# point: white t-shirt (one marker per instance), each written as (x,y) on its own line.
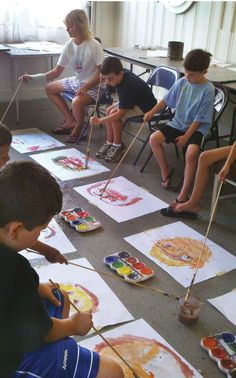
(84,58)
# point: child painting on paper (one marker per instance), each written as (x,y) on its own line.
(148,357)
(180,251)
(111,196)
(84,299)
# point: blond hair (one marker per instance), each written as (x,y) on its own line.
(79,20)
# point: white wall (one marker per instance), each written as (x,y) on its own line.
(209,25)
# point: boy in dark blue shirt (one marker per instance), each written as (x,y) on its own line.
(135,99)
(34,319)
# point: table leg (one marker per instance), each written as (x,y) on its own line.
(51,62)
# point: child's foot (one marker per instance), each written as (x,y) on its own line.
(177,202)
(187,206)
(102,152)
(114,153)
(64,129)
(166,181)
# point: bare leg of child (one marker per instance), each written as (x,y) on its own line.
(53,91)
(156,140)
(191,159)
(206,160)
(108,368)
(117,127)
(78,110)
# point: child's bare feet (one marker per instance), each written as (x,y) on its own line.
(65,128)
(187,206)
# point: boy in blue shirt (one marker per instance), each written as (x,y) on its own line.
(135,98)
(34,319)
(192,96)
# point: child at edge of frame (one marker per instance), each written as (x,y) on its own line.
(35,325)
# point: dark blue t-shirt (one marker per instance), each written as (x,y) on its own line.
(24,321)
(133,91)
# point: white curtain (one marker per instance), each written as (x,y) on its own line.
(32,20)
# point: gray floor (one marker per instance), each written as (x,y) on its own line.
(160,312)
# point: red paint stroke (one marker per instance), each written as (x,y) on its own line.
(111,196)
(50,232)
(141,344)
(72,163)
(36,148)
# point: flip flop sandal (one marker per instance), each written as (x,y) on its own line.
(61,131)
(170,212)
(72,138)
(166,181)
(178,201)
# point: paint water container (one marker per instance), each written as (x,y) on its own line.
(175,50)
(189,310)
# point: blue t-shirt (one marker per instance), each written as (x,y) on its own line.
(193,103)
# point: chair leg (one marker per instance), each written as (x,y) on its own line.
(146,162)
(232,132)
(216,186)
(141,150)
(82,132)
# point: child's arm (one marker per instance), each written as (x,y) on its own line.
(182,140)
(160,105)
(77,324)
(50,253)
(116,114)
(90,84)
(226,168)
(48,76)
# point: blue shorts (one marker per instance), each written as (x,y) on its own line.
(72,85)
(61,359)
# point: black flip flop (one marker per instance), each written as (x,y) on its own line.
(170,212)
(61,131)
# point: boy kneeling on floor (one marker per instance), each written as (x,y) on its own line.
(34,319)
(135,98)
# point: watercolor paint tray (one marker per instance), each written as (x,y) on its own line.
(80,219)
(221,348)
(128,267)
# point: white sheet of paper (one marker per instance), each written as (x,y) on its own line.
(68,164)
(185,245)
(142,347)
(157,53)
(232,69)
(32,140)
(55,237)
(122,200)
(226,304)
(88,291)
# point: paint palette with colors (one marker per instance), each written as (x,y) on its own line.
(128,267)
(80,219)
(222,349)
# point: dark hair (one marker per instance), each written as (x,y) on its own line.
(29,194)
(111,65)
(197,60)
(5,135)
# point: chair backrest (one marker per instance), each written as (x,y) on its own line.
(220,102)
(164,77)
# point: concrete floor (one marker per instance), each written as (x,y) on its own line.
(160,312)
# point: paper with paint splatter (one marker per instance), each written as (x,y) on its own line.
(144,349)
(68,164)
(226,305)
(55,237)
(88,291)
(122,199)
(33,140)
(176,249)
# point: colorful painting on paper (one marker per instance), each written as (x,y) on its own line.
(145,351)
(32,140)
(68,164)
(88,291)
(122,200)
(176,249)
(55,237)
(226,305)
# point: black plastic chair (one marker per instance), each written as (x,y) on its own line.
(161,77)
(105,100)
